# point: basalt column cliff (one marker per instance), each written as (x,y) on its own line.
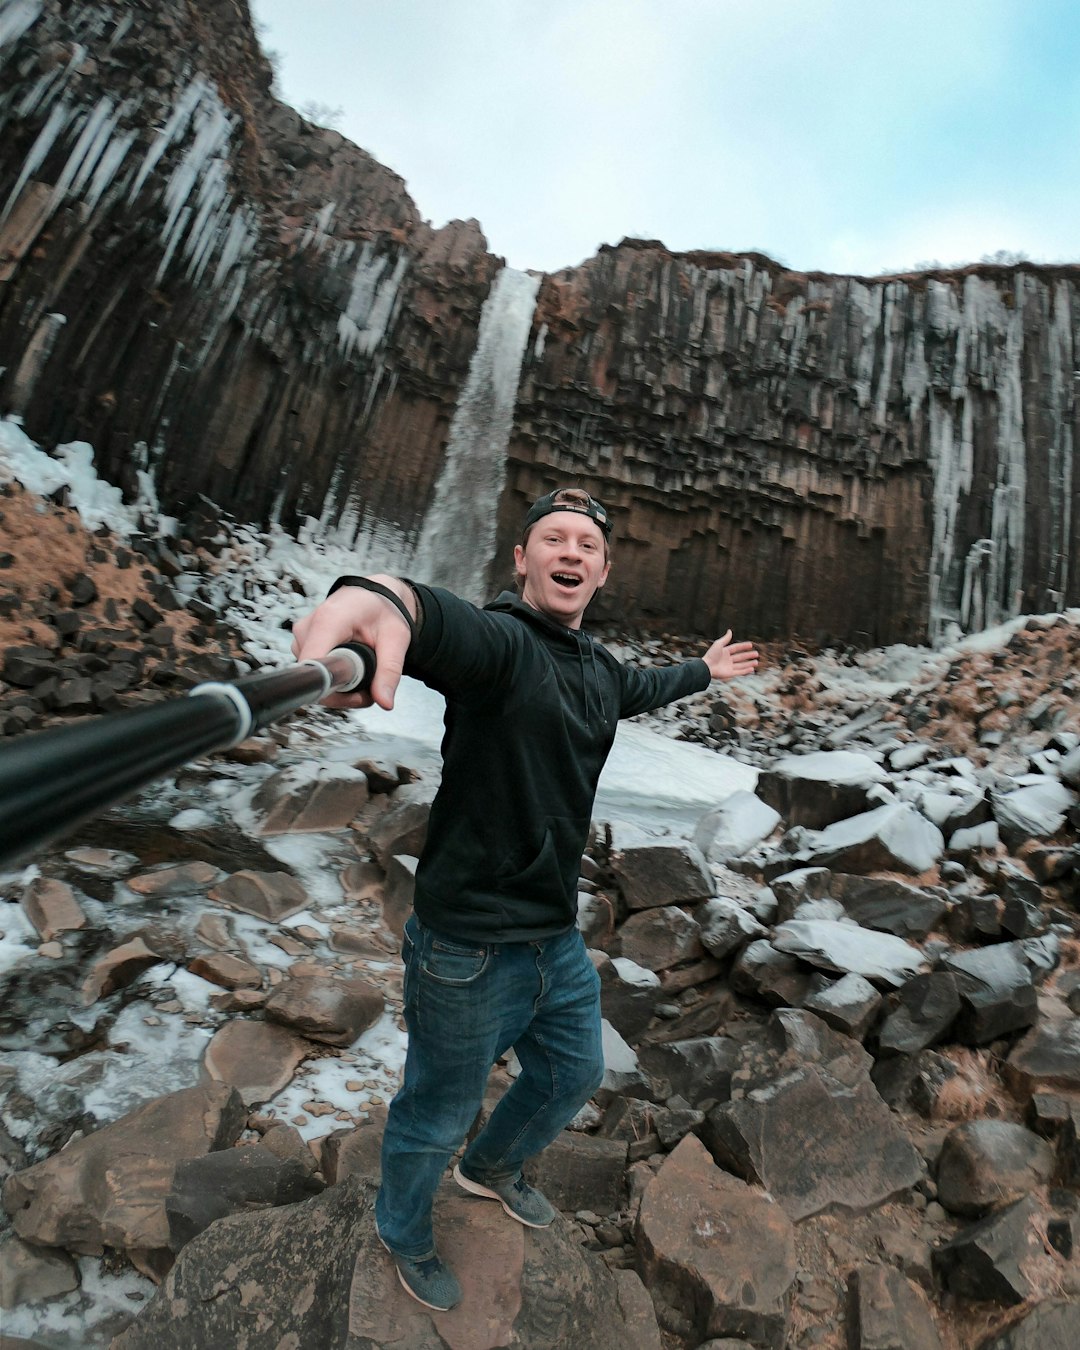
(815,455)
(202,284)
(213,291)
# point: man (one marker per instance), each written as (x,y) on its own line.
(493,958)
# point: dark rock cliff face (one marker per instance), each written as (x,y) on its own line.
(205,286)
(198,281)
(814,455)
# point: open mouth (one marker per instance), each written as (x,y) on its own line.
(566,580)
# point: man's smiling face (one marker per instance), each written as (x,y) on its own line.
(563,563)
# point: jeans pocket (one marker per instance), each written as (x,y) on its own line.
(455,963)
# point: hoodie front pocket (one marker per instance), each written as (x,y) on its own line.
(540,879)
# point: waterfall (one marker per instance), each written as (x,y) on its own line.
(457,538)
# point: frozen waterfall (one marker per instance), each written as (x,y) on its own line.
(457,538)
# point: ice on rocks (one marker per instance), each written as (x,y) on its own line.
(734,827)
(634,974)
(845,947)
(894,836)
(1036,811)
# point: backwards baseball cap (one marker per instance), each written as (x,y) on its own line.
(569,499)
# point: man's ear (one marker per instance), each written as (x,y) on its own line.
(519,560)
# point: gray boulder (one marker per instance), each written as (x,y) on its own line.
(987,1164)
(924,1009)
(813,1142)
(818,789)
(892,838)
(1053,1325)
(727,926)
(1000,1258)
(849,1005)
(662,872)
(997,992)
(846,948)
(887,905)
(232,1181)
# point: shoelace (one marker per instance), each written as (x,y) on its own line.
(430,1266)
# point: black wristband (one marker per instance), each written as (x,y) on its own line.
(366,584)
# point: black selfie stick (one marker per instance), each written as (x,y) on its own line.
(53,780)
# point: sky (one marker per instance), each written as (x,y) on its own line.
(840,135)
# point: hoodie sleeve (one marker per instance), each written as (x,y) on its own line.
(643,690)
(461,650)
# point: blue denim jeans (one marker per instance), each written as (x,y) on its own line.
(465,1005)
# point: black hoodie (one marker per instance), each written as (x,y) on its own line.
(531,711)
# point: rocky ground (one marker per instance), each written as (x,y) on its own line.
(842,1106)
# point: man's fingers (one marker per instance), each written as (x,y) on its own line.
(390,649)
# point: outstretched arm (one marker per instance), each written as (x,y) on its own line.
(728,660)
(355,615)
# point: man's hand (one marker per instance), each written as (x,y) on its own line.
(355,615)
(728,660)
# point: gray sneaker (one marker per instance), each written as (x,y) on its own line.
(427,1280)
(520,1200)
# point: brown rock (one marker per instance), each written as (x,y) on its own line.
(109,1188)
(310,798)
(716,1247)
(580,1171)
(662,873)
(228,971)
(116,969)
(315,1274)
(32,1274)
(335,1012)
(890,1313)
(356,1152)
(1048,1056)
(286,1142)
(659,938)
(403,827)
(269,895)
(214,930)
(176,879)
(255,1058)
(51,907)
(362,881)
(238,1000)
(814,1142)
(398,896)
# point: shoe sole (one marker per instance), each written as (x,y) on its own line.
(474,1188)
(435,1307)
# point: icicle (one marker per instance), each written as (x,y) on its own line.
(320,232)
(458,535)
(38,91)
(109,166)
(59,116)
(173,128)
(87,150)
(15,19)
